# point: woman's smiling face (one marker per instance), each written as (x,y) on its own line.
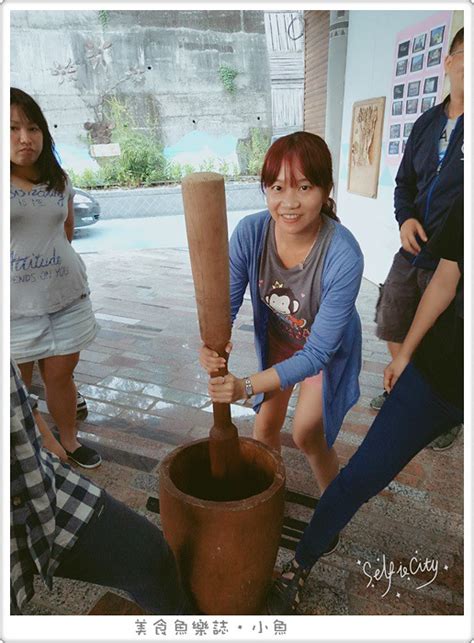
(294,202)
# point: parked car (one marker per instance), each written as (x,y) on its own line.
(86,209)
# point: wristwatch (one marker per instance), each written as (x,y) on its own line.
(248,387)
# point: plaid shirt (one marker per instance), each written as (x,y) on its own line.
(49,501)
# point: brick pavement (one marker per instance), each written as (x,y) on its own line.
(146,394)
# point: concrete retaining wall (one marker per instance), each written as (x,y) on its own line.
(163,64)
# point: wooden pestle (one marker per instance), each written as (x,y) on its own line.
(206,228)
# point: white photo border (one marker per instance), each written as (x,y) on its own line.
(300,628)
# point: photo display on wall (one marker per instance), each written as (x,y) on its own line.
(417,77)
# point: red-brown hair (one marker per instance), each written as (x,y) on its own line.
(311,153)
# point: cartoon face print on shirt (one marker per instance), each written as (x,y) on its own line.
(283,302)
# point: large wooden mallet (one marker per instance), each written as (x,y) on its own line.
(206,227)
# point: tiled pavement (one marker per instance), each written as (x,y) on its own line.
(146,394)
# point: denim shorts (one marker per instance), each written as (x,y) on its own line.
(398,299)
(64,332)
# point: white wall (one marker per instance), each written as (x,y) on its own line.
(370,56)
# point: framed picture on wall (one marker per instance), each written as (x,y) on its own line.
(430,85)
(417,62)
(401,67)
(419,43)
(393,147)
(436,36)
(427,103)
(398,91)
(395,131)
(413,88)
(397,107)
(366,146)
(418,73)
(411,106)
(403,49)
(434,57)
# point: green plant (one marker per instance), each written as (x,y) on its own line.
(207,166)
(173,172)
(227,76)
(73,175)
(254,149)
(103,18)
(141,160)
(224,168)
(89,178)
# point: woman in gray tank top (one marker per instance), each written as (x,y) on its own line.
(51,314)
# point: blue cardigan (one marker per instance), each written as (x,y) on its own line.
(335,341)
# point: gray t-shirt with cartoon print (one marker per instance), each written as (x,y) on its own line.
(293,294)
(46,273)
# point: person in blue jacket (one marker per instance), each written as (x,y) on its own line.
(430,177)
(304,270)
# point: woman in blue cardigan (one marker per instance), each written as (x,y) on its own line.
(304,270)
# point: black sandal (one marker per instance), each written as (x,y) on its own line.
(284,596)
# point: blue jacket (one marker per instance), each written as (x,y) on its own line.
(335,341)
(426,188)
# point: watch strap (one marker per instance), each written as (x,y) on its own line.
(248,387)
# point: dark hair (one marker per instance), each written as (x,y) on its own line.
(312,154)
(457,40)
(50,172)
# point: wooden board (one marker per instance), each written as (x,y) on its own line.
(365,146)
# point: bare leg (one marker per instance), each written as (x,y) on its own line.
(270,418)
(26,371)
(49,441)
(308,432)
(61,395)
